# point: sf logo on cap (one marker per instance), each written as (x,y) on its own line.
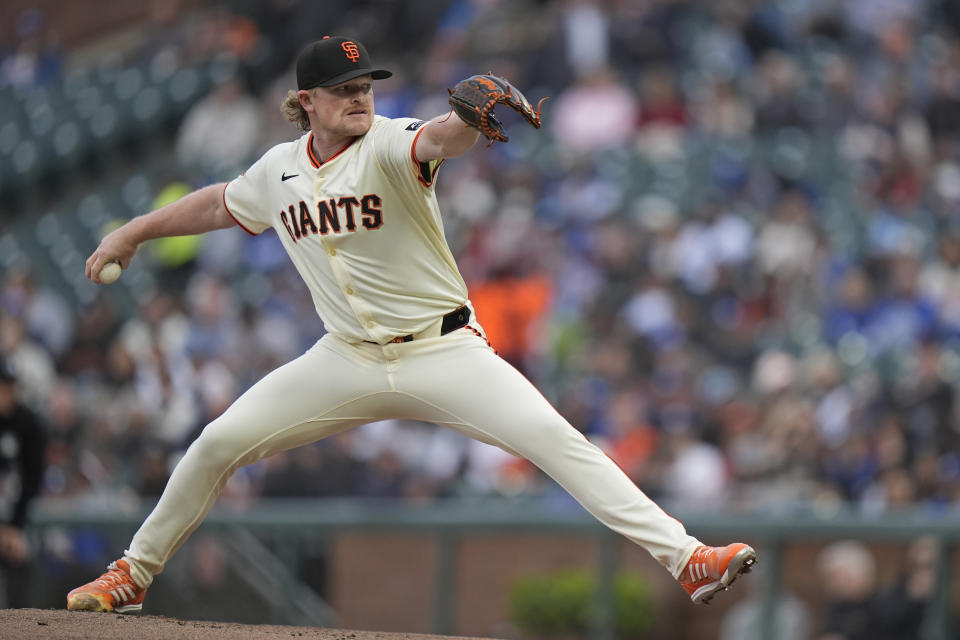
(351,49)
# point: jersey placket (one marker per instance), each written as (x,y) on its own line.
(361,310)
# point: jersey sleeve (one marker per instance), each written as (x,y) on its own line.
(396,140)
(243,198)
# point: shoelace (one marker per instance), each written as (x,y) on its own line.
(698,565)
(115,577)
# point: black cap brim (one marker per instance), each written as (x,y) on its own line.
(376,74)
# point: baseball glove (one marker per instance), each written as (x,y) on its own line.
(474,99)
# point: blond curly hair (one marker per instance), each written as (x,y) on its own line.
(294,112)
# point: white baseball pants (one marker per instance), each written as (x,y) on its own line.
(455,380)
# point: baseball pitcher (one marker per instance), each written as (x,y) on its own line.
(353,203)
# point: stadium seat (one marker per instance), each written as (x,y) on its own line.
(184,86)
(25,162)
(137,192)
(105,124)
(86,101)
(69,141)
(92,213)
(10,137)
(788,153)
(147,109)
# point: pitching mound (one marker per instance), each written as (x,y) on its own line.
(53,624)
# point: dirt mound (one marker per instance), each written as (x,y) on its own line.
(53,624)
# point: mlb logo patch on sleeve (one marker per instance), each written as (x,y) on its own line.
(413,126)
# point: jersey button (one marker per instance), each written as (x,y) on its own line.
(349,291)
(369,324)
(332,251)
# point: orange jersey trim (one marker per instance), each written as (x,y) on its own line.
(423,167)
(482,337)
(313,158)
(230,213)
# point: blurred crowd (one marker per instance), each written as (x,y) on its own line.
(863,597)
(731,257)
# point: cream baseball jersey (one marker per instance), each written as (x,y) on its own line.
(363,228)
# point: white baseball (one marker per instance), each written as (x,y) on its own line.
(110,272)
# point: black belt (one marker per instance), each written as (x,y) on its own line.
(456,319)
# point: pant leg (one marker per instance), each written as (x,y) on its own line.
(466,386)
(323,392)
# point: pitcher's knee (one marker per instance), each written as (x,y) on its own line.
(214,451)
(547,434)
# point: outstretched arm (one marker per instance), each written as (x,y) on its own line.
(201,211)
(473,101)
(445,136)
